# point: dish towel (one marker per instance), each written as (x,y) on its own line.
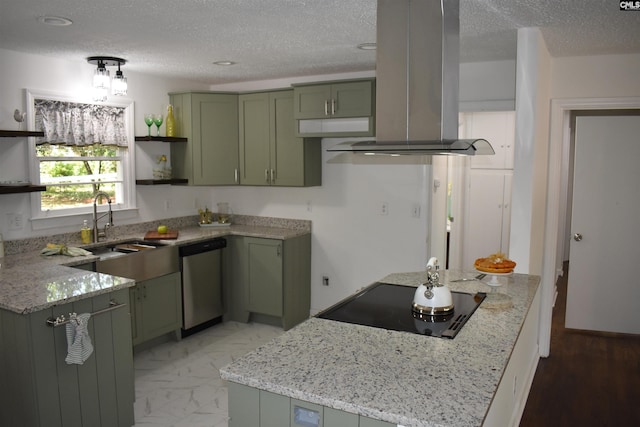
(79,346)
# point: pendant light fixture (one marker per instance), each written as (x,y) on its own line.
(101,78)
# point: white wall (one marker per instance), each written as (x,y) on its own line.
(531,146)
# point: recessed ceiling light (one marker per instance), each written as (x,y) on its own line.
(367,46)
(224,63)
(56,21)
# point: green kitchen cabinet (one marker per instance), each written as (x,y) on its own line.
(270,153)
(337,418)
(39,389)
(156,308)
(370,422)
(250,406)
(334,100)
(244,405)
(269,280)
(209,121)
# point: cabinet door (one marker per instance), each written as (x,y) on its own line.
(312,102)
(287,151)
(370,422)
(497,127)
(161,306)
(264,276)
(336,418)
(274,410)
(215,138)
(254,139)
(244,406)
(485,219)
(352,99)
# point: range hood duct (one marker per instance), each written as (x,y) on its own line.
(417,74)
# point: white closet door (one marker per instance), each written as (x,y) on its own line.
(497,127)
(484,230)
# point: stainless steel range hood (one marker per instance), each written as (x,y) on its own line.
(417,73)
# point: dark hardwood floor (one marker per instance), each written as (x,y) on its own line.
(589,378)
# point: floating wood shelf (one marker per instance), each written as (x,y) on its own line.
(19,133)
(161,138)
(12,189)
(173,181)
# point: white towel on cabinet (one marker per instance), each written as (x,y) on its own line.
(79,346)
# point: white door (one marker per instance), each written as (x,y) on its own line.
(487,218)
(603,288)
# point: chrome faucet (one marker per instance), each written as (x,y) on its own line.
(96,233)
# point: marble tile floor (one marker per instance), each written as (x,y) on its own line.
(177,384)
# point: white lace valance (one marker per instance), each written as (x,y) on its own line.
(71,123)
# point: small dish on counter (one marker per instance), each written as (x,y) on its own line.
(215,224)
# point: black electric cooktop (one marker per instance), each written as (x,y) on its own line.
(387,306)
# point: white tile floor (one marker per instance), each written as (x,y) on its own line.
(178,383)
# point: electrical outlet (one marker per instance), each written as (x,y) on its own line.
(384,208)
(309,207)
(325,280)
(15,221)
(415,211)
(166,205)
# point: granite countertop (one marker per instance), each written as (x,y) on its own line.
(31,282)
(398,377)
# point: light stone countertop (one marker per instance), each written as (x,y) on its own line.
(31,282)
(398,377)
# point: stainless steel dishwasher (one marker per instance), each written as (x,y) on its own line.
(201,269)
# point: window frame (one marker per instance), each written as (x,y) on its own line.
(128,201)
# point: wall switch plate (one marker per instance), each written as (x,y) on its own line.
(415,211)
(15,221)
(325,280)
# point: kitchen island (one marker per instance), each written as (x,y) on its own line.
(481,377)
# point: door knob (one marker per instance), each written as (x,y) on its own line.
(577,237)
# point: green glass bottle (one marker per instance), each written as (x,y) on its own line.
(170,124)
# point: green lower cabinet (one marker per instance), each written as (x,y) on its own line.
(244,406)
(370,422)
(336,418)
(249,406)
(268,280)
(274,410)
(39,389)
(156,308)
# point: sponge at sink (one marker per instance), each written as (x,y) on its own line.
(53,249)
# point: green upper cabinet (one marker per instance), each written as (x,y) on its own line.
(210,122)
(336,100)
(270,153)
(340,108)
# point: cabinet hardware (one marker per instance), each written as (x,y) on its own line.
(333,107)
(62,320)
(326,107)
(235,175)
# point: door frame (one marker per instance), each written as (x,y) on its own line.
(557,197)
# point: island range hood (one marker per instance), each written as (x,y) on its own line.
(417,74)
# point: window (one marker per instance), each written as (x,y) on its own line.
(74,174)
(85,150)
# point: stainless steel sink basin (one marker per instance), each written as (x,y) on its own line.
(136,259)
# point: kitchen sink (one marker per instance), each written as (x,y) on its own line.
(136,259)
(114,250)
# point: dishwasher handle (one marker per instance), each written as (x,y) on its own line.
(200,247)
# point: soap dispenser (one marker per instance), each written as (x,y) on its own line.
(85,233)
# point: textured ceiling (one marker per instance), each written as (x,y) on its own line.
(288,38)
